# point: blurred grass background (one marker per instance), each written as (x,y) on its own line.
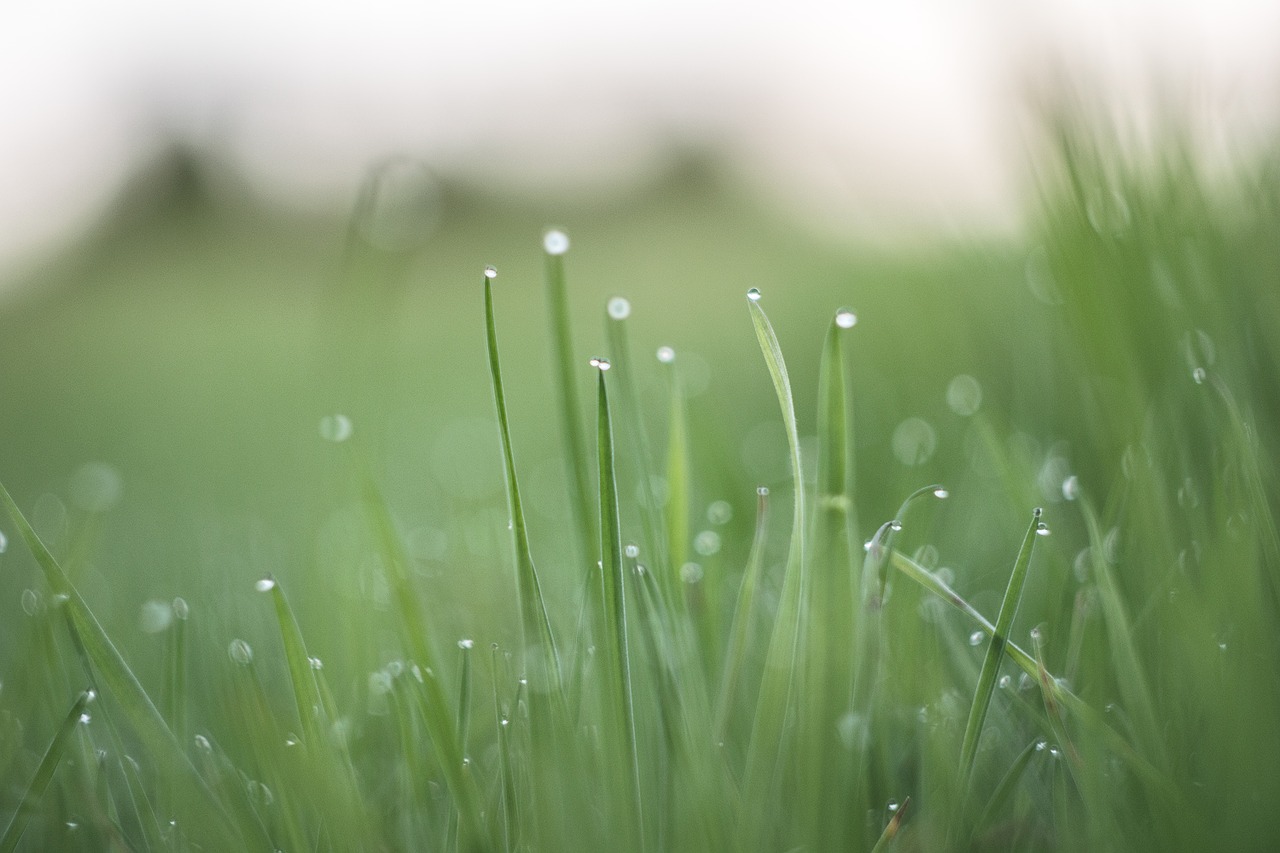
(163,384)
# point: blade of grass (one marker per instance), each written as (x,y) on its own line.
(743,617)
(506,779)
(783,659)
(676,515)
(1004,790)
(995,650)
(541,662)
(614,624)
(103,661)
(44,774)
(891,829)
(555,245)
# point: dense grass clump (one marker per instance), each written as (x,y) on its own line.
(1065,636)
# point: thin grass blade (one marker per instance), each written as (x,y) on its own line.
(891,829)
(44,774)
(743,618)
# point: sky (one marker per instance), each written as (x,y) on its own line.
(867,117)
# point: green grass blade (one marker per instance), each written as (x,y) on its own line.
(783,659)
(302,677)
(995,650)
(541,661)
(1004,790)
(614,618)
(414,631)
(676,509)
(506,778)
(891,829)
(555,244)
(108,668)
(44,774)
(743,617)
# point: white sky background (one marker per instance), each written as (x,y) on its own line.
(869,114)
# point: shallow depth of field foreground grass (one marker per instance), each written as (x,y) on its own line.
(970,550)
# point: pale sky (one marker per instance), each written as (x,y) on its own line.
(868,114)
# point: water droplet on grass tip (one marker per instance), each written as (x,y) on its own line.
(666,355)
(90,696)
(265,584)
(466,643)
(335,428)
(202,744)
(941,493)
(895,525)
(1042,529)
(632,550)
(1037,512)
(846,319)
(491,272)
(4,542)
(180,609)
(555,242)
(754,294)
(1006,681)
(976,638)
(601,363)
(892,805)
(1071,487)
(240,652)
(619,308)
(84,719)
(762,491)
(315,663)
(1198,375)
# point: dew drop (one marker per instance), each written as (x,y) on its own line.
(335,428)
(202,744)
(30,602)
(1006,681)
(1071,487)
(619,308)
(1042,529)
(601,363)
(555,242)
(754,294)
(466,643)
(180,609)
(719,512)
(240,652)
(1037,512)
(707,543)
(4,542)
(762,491)
(84,719)
(1198,375)
(941,493)
(666,355)
(1041,745)
(895,525)
(491,272)
(892,805)
(315,663)
(90,696)
(846,319)
(1036,634)
(265,584)
(632,550)
(976,638)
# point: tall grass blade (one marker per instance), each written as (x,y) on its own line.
(566,382)
(44,774)
(541,661)
(676,515)
(995,650)
(744,612)
(783,659)
(1000,797)
(618,674)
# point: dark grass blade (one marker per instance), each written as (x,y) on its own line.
(619,687)
(44,774)
(995,650)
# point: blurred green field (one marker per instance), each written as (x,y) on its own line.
(164,385)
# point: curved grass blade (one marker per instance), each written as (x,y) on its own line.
(44,774)
(783,661)
(891,829)
(541,662)
(430,691)
(105,665)
(566,381)
(995,650)
(743,613)
(1004,790)
(619,687)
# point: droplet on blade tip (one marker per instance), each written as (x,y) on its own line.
(666,355)
(265,584)
(846,319)
(601,363)
(555,242)
(491,272)
(941,493)
(754,294)
(619,308)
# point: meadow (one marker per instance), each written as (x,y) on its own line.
(652,522)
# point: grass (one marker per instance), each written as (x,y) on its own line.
(736,662)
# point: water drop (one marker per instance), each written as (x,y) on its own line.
(846,319)
(1006,681)
(84,719)
(691,573)
(892,805)
(941,493)
(506,721)
(265,584)
(59,598)
(555,242)
(895,525)
(632,550)
(976,638)
(666,355)
(762,491)
(240,652)
(335,428)
(202,744)
(1037,512)
(1042,529)
(719,512)
(619,308)
(180,608)
(30,602)
(754,294)
(315,663)
(466,643)
(4,542)
(601,363)
(491,272)
(1036,634)
(1071,487)
(1041,745)
(707,543)
(964,395)
(90,696)
(291,740)
(1198,375)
